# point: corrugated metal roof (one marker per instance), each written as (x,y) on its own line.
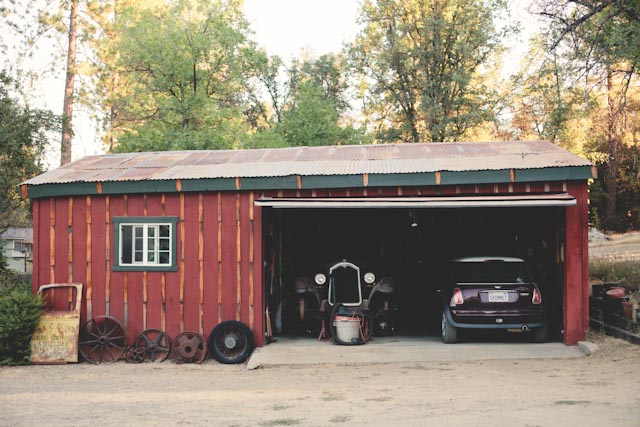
(314,161)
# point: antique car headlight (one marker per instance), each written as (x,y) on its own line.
(369,278)
(320,279)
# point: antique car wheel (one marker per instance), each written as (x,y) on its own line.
(189,347)
(155,344)
(102,340)
(449,333)
(231,342)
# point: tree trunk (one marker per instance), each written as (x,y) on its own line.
(67,111)
(612,148)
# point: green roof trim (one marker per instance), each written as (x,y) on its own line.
(402,179)
(220,184)
(71,189)
(475,177)
(570,173)
(129,187)
(567,173)
(278,182)
(332,181)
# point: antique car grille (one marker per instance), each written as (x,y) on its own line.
(345,285)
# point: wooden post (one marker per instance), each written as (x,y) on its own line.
(201,259)
(88,279)
(70,251)
(238,259)
(107,257)
(163,278)
(219,257)
(182,239)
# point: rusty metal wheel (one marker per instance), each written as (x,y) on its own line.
(102,340)
(189,347)
(155,344)
(135,354)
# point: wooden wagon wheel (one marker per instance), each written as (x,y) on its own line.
(102,340)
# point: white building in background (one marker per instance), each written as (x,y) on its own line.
(17,248)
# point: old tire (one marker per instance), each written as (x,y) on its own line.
(448,333)
(231,342)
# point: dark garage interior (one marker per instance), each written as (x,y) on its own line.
(413,245)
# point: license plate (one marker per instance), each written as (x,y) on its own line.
(498,296)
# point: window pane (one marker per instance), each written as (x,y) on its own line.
(164,257)
(151,244)
(138,256)
(164,230)
(138,239)
(151,257)
(125,238)
(151,231)
(164,244)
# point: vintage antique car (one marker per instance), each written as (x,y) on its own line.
(344,283)
(491,293)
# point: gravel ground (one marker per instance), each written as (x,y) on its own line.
(599,390)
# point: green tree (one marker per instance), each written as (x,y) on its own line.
(23,139)
(307,103)
(603,39)
(313,119)
(183,71)
(421,64)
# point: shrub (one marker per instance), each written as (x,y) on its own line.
(625,272)
(19,314)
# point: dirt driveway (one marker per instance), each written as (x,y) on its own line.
(599,390)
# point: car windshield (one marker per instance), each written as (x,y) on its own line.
(490,272)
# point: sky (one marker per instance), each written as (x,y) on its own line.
(283,27)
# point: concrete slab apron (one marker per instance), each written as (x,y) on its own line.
(292,351)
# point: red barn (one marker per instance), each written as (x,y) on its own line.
(181,241)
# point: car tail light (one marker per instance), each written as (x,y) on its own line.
(456,299)
(537,296)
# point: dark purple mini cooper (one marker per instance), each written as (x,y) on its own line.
(492,293)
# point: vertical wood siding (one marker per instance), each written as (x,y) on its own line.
(219,238)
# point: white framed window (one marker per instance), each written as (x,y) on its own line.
(144,243)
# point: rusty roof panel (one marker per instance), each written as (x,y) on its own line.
(307,161)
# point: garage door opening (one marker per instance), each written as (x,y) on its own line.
(411,246)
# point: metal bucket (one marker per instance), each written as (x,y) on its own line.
(347,328)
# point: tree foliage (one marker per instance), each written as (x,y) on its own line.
(183,70)
(421,63)
(601,38)
(23,139)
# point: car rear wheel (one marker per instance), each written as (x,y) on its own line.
(449,333)
(541,334)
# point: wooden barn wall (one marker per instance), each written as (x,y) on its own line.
(219,245)
(219,254)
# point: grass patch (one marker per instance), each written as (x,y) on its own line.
(625,272)
(280,407)
(331,397)
(572,402)
(281,422)
(339,419)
